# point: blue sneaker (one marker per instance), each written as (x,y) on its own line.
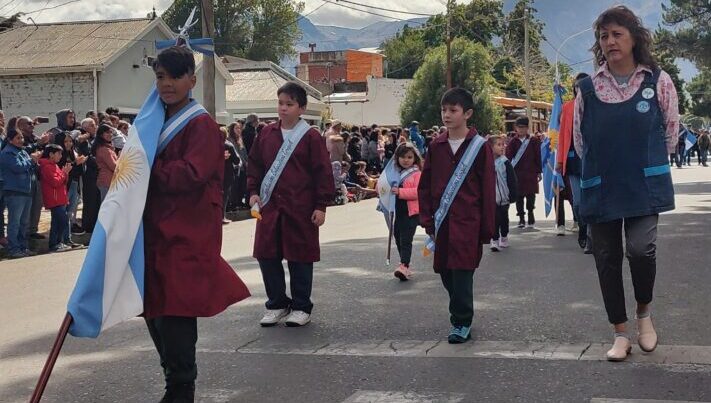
(459,334)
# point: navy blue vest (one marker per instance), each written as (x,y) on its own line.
(625,162)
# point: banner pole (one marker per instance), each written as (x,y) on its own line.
(51,359)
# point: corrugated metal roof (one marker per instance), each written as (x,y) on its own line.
(67,45)
(257,85)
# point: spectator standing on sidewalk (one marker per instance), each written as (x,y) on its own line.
(26,126)
(18,167)
(103,151)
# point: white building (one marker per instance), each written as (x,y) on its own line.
(85,66)
(380,105)
(254,90)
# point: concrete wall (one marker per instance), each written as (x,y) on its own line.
(124,86)
(44,95)
(385,95)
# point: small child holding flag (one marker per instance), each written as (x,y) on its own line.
(407,209)
(457,206)
(506,188)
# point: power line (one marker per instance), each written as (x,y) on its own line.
(386,9)
(311,12)
(52,7)
(372,13)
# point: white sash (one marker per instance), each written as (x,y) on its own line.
(287,148)
(177,122)
(455,182)
(519,153)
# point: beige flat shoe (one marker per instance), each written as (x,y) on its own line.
(646,335)
(620,349)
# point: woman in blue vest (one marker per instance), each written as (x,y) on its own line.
(625,125)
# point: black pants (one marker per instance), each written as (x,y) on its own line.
(530,206)
(404,231)
(175,338)
(640,242)
(502,222)
(91,200)
(301,279)
(561,211)
(460,286)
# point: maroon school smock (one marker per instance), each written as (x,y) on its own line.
(470,222)
(528,167)
(306,184)
(185,274)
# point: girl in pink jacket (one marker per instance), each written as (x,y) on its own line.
(407,208)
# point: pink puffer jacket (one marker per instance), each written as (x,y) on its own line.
(408,192)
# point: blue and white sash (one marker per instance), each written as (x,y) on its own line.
(110,287)
(455,182)
(177,122)
(287,148)
(502,187)
(520,152)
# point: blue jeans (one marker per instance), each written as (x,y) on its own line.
(59,227)
(18,221)
(71,210)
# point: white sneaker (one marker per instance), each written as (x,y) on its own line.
(504,242)
(494,246)
(273,316)
(298,318)
(560,230)
(575,227)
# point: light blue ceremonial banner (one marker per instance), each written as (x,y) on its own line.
(109,289)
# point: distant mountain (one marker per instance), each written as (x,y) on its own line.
(327,37)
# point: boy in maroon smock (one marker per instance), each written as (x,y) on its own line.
(185,276)
(528,170)
(469,223)
(294,209)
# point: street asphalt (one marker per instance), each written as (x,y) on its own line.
(538,336)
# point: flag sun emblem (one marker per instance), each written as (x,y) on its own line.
(128,168)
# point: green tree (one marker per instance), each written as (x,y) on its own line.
(692,38)
(700,90)
(254,29)
(471,66)
(405,52)
(514,36)
(479,21)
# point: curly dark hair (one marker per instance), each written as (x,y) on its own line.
(623,16)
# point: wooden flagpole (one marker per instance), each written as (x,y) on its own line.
(51,360)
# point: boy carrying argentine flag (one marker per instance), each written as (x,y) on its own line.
(185,275)
(457,195)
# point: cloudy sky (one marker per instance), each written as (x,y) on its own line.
(576,14)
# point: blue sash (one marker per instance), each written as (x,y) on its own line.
(177,122)
(520,152)
(287,148)
(455,182)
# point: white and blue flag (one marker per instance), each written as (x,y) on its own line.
(689,141)
(110,286)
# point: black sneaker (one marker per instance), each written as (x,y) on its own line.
(522,223)
(179,393)
(37,236)
(582,242)
(77,230)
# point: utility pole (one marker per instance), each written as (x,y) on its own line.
(449,43)
(208,62)
(527,66)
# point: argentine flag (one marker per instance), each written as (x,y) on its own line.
(689,142)
(552,179)
(109,289)
(389,178)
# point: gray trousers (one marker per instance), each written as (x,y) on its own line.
(641,251)
(36,209)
